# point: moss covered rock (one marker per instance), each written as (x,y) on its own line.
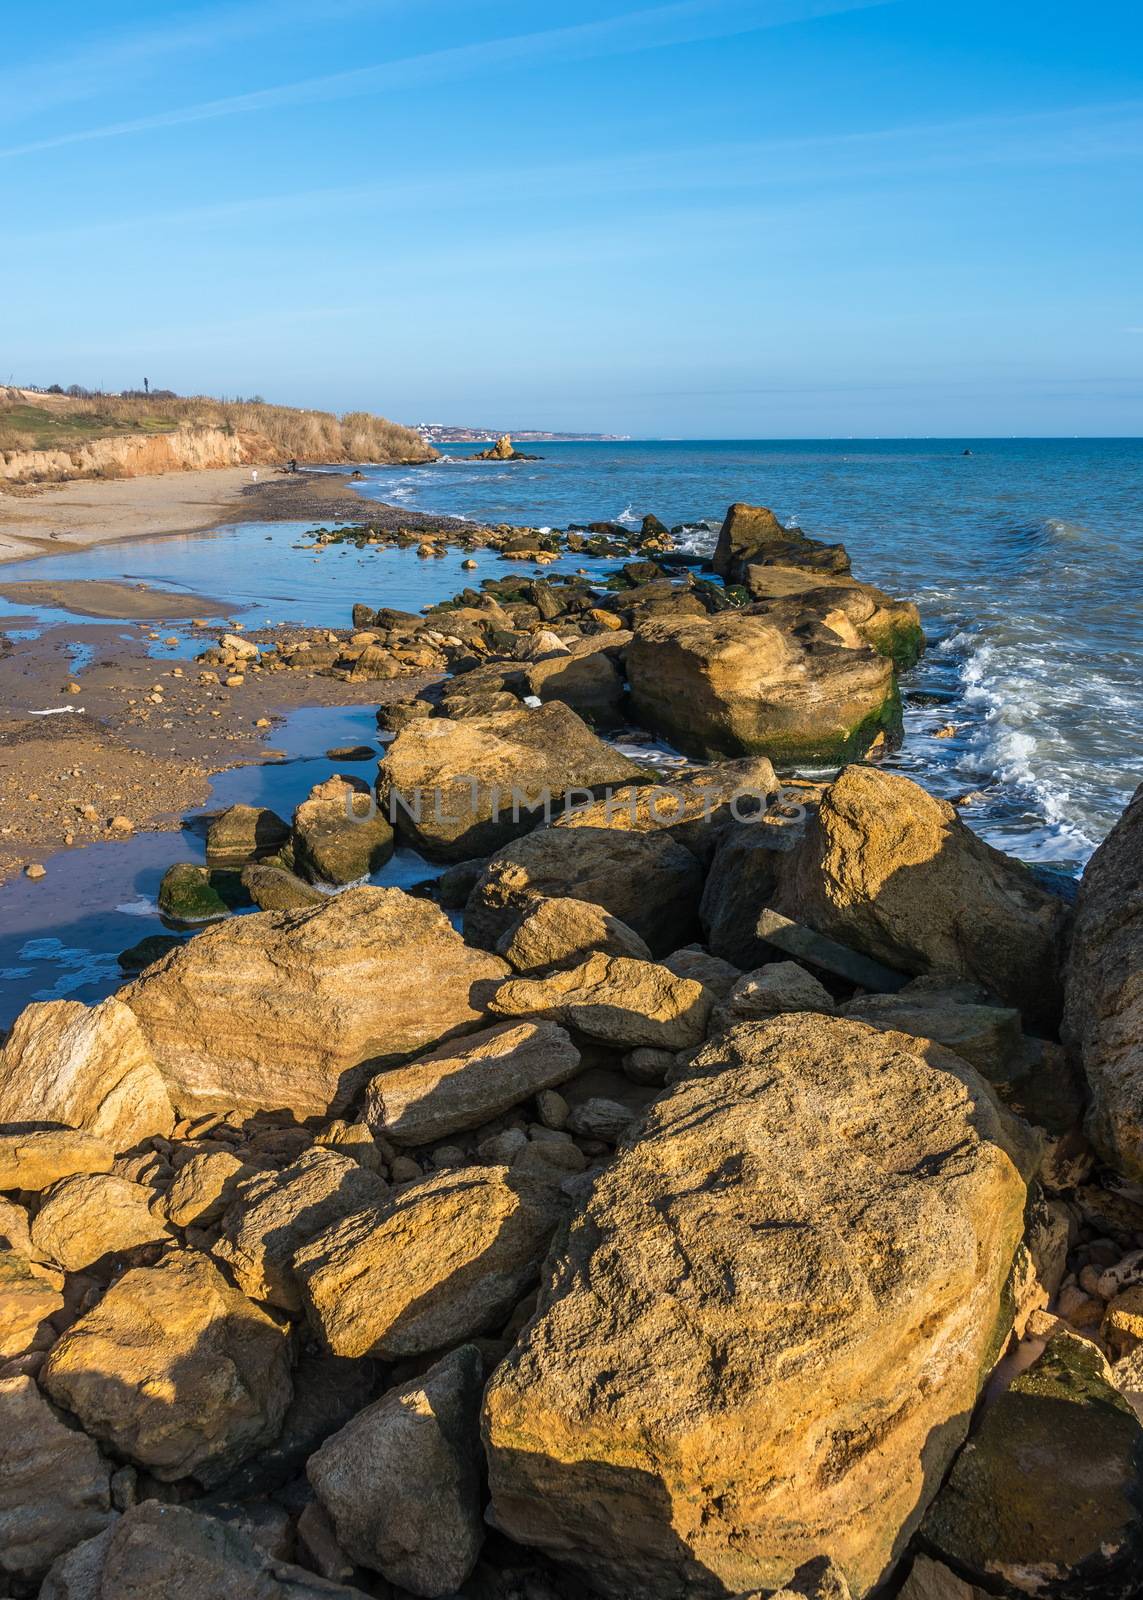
(1044,1497)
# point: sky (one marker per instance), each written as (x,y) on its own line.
(706,218)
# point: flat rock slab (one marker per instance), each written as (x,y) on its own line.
(764,1334)
(461,1086)
(275,1213)
(37,1160)
(616,1001)
(289,1010)
(442,1261)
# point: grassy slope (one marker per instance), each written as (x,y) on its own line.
(49,422)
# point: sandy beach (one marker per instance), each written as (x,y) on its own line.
(50,519)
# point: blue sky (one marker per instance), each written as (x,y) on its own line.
(783,218)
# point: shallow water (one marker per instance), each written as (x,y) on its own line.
(60,935)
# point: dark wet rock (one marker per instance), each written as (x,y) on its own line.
(189,893)
(1103,1018)
(1043,1499)
(277,889)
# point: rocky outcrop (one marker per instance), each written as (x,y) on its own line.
(175,1370)
(441,1261)
(503,450)
(753,536)
(86,1067)
(1103,1017)
(646,880)
(1044,1498)
(735,684)
(275,1213)
(616,1001)
(890,870)
(292,1009)
(765,1334)
(461,1086)
(856,612)
(458,788)
(54,1484)
(402,1482)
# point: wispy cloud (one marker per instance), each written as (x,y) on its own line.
(30,90)
(838,162)
(682,22)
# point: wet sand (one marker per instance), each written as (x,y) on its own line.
(140,740)
(50,519)
(90,597)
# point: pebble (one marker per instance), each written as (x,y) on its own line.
(35,870)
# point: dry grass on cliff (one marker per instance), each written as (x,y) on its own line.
(50,422)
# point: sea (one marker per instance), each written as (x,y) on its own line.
(1025,557)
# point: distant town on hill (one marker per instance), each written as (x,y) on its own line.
(441,433)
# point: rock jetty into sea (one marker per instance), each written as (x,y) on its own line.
(717,1182)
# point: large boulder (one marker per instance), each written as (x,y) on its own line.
(890,870)
(340,835)
(275,1213)
(735,685)
(1044,1498)
(54,1484)
(461,787)
(764,1335)
(562,932)
(589,684)
(647,880)
(443,1260)
(175,1370)
(616,1001)
(292,1010)
(241,833)
(1103,1015)
(402,1482)
(462,1085)
(83,1067)
(752,535)
(169,1552)
(91,1219)
(856,612)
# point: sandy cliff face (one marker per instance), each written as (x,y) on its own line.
(139,455)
